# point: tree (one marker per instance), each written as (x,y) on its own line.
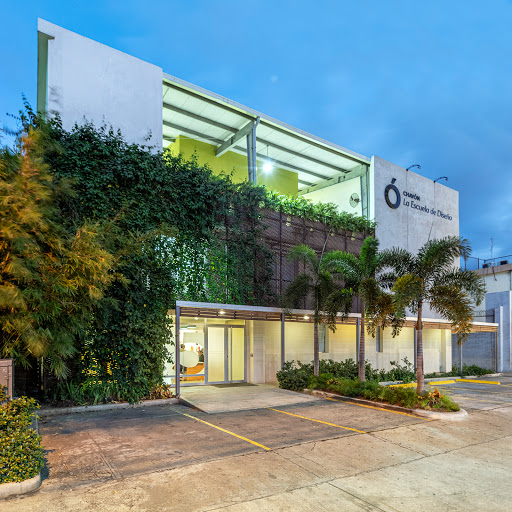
(360,276)
(50,277)
(431,277)
(317,282)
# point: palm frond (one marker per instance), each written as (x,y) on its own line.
(369,256)
(400,260)
(297,291)
(439,255)
(466,280)
(407,292)
(339,301)
(306,255)
(343,264)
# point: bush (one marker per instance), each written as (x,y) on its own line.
(21,454)
(472,369)
(372,390)
(404,373)
(296,375)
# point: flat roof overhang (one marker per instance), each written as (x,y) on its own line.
(192,111)
(241,312)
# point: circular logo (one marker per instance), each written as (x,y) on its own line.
(392,202)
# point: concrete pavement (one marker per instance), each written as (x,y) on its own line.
(163,460)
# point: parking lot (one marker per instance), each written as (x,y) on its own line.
(332,454)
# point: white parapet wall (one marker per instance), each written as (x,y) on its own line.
(82,79)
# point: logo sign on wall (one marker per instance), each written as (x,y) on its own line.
(412,200)
(391,190)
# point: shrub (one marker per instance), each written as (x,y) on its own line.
(372,390)
(403,372)
(472,369)
(21,454)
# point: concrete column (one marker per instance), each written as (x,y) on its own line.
(358,334)
(283,351)
(177,351)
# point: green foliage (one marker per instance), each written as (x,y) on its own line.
(371,390)
(404,372)
(429,277)
(51,275)
(472,369)
(21,454)
(322,212)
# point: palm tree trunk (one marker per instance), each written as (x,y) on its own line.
(361,369)
(419,353)
(316,351)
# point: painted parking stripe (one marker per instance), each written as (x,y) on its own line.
(318,421)
(495,382)
(439,382)
(226,431)
(481,391)
(379,409)
(460,397)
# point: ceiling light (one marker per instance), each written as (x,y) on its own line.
(196,318)
(267,166)
(306,317)
(222,312)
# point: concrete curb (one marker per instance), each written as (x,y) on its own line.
(433,415)
(14,488)
(56,411)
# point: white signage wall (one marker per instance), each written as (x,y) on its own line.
(91,81)
(410,209)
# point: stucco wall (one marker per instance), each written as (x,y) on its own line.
(88,80)
(407,226)
(339,194)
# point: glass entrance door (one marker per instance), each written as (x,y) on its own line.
(225,354)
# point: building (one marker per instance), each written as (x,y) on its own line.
(82,79)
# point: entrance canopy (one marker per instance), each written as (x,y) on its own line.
(189,110)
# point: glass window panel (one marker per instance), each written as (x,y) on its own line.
(216,355)
(237,354)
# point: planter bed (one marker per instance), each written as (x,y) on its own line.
(427,413)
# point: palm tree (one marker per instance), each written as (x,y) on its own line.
(431,277)
(316,281)
(359,275)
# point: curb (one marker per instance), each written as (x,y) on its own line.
(436,379)
(56,411)
(14,488)
(433,415)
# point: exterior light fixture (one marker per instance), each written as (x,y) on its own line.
(196,318)
(412,167)
(442,178)
(306,317)
(267,166)
(222,312)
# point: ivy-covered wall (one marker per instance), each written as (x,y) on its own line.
(177,230)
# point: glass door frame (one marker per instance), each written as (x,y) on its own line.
(227,353)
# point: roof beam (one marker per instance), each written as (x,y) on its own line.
(201,136)
(228,144)
(197,117)
(265,122)
(300,155)
(334,180)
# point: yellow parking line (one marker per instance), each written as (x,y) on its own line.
(318,421)
(379,408)
(439,382)
(408,385)
(480,381)
(481,391)
(459,397)
(227,431)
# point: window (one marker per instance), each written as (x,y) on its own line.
(379,345)
(323,338)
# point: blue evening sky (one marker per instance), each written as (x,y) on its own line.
(412,82)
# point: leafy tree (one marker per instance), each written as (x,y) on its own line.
(431,278)
(360,276)
(51,277)
(316,282)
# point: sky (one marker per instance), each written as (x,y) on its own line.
(426,83)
